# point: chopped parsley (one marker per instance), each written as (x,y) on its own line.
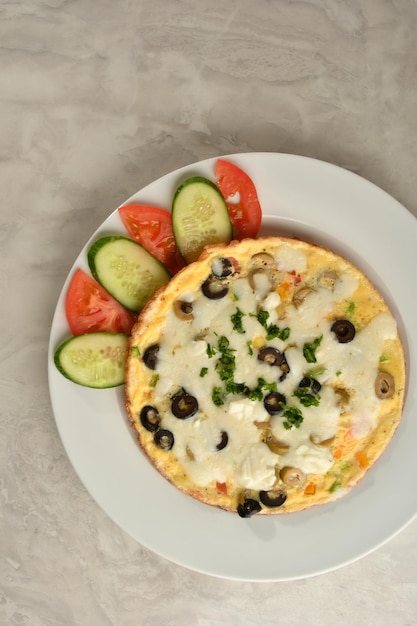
(250,349)
(236,388)
(217,396)
(211,351)
(306,398)
(262,317)
(309,349)
(236,319)
(383,358)
(292,415)
(272,330)
(203,372)
(225,367)
(226,363)
(223,343)
(256,394)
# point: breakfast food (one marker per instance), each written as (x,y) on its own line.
(266,377)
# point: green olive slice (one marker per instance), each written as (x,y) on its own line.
(384,385)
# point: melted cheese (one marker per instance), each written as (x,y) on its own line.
(184,361)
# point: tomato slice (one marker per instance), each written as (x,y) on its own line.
(240,194)
(152,227)
(90,308)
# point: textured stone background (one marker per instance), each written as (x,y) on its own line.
(96,100)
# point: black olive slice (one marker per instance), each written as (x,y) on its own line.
(273,402)
(150,357)
(270,356)
(224,440)
(248,507)
(164,439)
(344,330)
(150,418)
(273,497)
(184,405)
(273,356)
(311,383)
(214,289)
(222,268)
(284,367)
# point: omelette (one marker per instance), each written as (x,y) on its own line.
(266,377)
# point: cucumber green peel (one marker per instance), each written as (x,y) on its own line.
(93,360)
(199,217)
(127,270)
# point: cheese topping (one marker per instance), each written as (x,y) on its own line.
(189,356)
(272,370)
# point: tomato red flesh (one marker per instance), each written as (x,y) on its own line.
(221,488)
(90,308)
(152,227)
(239,192)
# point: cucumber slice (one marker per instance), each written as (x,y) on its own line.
(93,360)
(127,270)
(199,217)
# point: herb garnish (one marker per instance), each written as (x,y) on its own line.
(272,330)
(203,372)
(226,363)
(236,319)
(292,415)
(225,368)
(211,351)
(262,317)
(217,396)
(236,388)
(309,349)
(306,398)
(256,394)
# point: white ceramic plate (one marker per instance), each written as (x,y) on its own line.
(324,204)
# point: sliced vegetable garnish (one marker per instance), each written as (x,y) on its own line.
(241,198)
(93,360)
(152,227)
(127,270)
(199,217)
(90,308)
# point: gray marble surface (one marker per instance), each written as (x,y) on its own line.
(96,100)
